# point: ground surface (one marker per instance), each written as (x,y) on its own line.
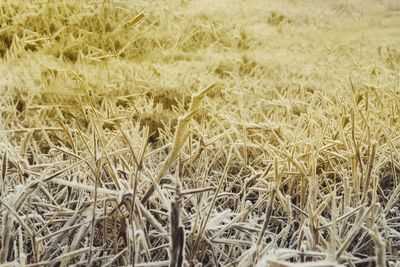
(290,154)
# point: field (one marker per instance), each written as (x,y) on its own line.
(200,133)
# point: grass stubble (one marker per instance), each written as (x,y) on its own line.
(199,134)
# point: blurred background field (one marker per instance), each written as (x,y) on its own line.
(292,156)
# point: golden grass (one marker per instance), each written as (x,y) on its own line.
(199,133)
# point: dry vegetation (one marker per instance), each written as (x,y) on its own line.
(199,133)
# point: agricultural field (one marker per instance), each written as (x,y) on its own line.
(200,133)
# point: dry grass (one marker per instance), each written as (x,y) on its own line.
(199,133)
